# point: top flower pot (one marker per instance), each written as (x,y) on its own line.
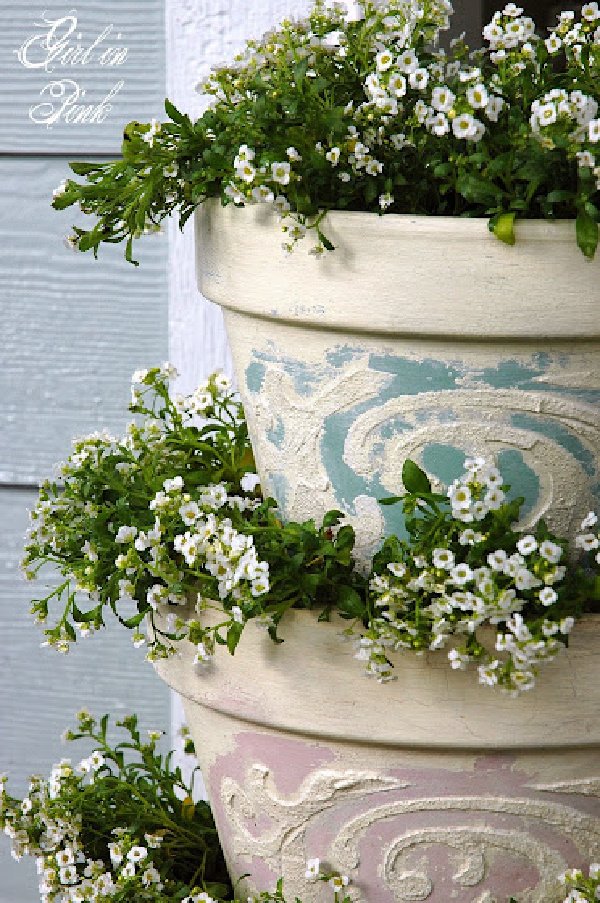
(420,337)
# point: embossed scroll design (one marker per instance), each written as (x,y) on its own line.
(281,843)
(378,431)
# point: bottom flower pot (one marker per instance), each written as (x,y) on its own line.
(430,787)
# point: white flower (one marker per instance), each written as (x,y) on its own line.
(68,874)
(527,544)
(249,482)
(590,11)
(237,614)
(550,551)
(137,854)
(464,126)
(587,541)
(547,596)
(333,156)
(586,158)
(494,499)
(407,61)
(293,154)
(487,673)
(202,656)
(312,869)
(60,189)
(443,558)
(590,520)
(263,194)
(384,60)
(246,172)
(244,155)
(173,485)
(65,857)
(280,172)
(442,99)
(126,534)
(281,205)
(566,625)
(553,43)
(478,96)
(457,659)
(338,882)
(234,194)
(418,79)
(461,574)
(439,125)
(373,167)
(386,200)
(594,131)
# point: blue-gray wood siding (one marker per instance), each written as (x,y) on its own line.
(73,330)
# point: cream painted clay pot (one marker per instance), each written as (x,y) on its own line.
(420,337)
(430,787)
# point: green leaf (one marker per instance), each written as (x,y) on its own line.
(83,169)
(234,633)
(173,113)
(390,500)
(349,602)
(555,197)
(503,227)
(414,479)
(332,518)
(325,241)
(134,621)
(587,234)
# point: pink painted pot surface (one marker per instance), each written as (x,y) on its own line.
(427,788)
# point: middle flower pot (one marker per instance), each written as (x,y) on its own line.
(418,337)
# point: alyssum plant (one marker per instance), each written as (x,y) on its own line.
(121,825)
(170,516)
(369,114)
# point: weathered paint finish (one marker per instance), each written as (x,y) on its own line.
(428,788)
(347,370)
(434,410)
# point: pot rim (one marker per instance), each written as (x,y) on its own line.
(436,707)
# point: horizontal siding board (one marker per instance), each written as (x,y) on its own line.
(73,328)
(141,26)
(42,690)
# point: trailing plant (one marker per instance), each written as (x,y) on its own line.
(122,825)
(368,113)
(118,825)
(170,516)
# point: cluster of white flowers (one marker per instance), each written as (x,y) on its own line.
(432,600)
(184,529)
(449,97)
(66,874)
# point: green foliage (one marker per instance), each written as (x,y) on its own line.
(122,826)
(127,810)
(517,136)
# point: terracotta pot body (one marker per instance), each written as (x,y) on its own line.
(427,788)
(420,337)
